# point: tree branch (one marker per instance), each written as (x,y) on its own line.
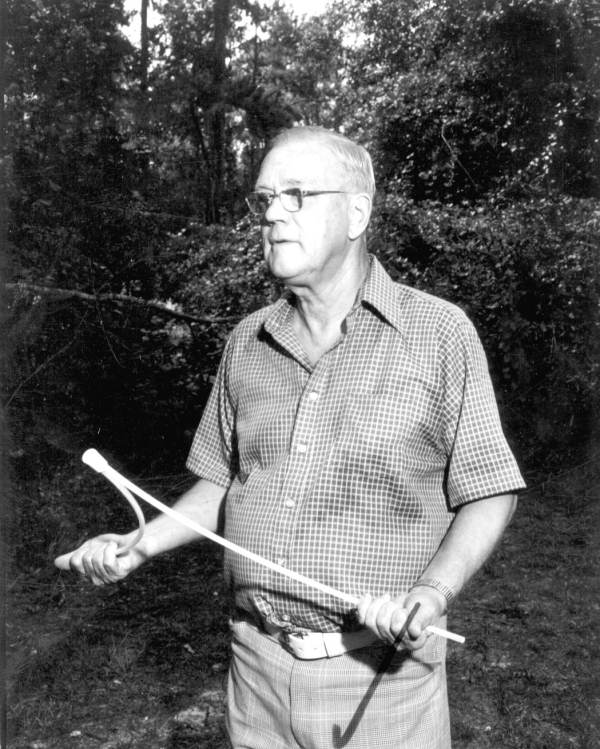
(151,304)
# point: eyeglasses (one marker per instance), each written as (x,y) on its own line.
(291,199)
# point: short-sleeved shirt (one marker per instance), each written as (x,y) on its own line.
(349,471)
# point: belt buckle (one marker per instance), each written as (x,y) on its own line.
(296,645)
(284,640)
(304,647)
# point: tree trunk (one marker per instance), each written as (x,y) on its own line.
(144,47)
(222,25)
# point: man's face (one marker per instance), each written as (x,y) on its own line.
(308,246)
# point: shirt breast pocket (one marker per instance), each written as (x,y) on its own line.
(404,415)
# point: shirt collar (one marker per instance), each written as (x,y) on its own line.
(378,293)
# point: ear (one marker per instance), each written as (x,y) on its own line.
(359,214)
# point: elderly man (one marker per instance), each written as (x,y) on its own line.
(352,435)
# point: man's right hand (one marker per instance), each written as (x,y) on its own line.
(98,559)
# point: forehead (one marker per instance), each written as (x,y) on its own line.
(299,164)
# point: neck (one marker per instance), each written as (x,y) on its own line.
(321,310)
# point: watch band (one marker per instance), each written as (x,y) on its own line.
(433,582)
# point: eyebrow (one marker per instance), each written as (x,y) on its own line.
(288,183)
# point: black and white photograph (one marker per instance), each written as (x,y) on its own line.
(300,374)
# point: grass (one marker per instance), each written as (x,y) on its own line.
(528,676)
(142,665)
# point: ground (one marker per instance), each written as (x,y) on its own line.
(142,665)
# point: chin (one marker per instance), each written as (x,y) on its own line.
(283,268)
(283,273)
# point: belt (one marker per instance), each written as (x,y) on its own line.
(315,645)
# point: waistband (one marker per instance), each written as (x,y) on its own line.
(314,645)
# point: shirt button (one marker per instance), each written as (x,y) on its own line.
(313,396)
(285,617)
(302,447)
(290,503)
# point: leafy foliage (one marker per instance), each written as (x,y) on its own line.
(528,275)
(483,121)
(470,98)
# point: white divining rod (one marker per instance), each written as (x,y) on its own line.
(93,459)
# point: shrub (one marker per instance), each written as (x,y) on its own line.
(528,276)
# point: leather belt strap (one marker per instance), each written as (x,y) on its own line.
(320,644)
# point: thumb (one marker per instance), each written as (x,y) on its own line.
(63,561)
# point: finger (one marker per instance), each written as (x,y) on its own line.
(373,611)
(79,565)
(63,561)
(116,566)
(96,562)
(362,607)
(384,621)
(73,560)
(110,562)
(90,573)
(415,643)
(415,636)
(76,562)
(104,563)
(417,631)
(92,569)
(397,622)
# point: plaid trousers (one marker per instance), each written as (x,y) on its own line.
(276,701)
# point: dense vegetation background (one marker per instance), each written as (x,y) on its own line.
(130,252)
(130,255)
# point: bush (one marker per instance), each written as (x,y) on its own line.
(135,382)
(527,274)
(126,378)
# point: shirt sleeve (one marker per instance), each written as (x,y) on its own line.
(213,452)
(481,464)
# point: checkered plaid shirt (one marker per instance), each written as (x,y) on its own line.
(349,471)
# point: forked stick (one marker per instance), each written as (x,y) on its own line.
(93,459)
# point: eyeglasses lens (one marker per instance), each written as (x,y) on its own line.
(291,200)
(259,202)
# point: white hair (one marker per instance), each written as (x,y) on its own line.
(352,157)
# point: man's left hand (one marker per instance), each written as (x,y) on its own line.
(385,616)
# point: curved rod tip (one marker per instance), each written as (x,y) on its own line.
(94,460)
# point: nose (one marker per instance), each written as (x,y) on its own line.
(275,211)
